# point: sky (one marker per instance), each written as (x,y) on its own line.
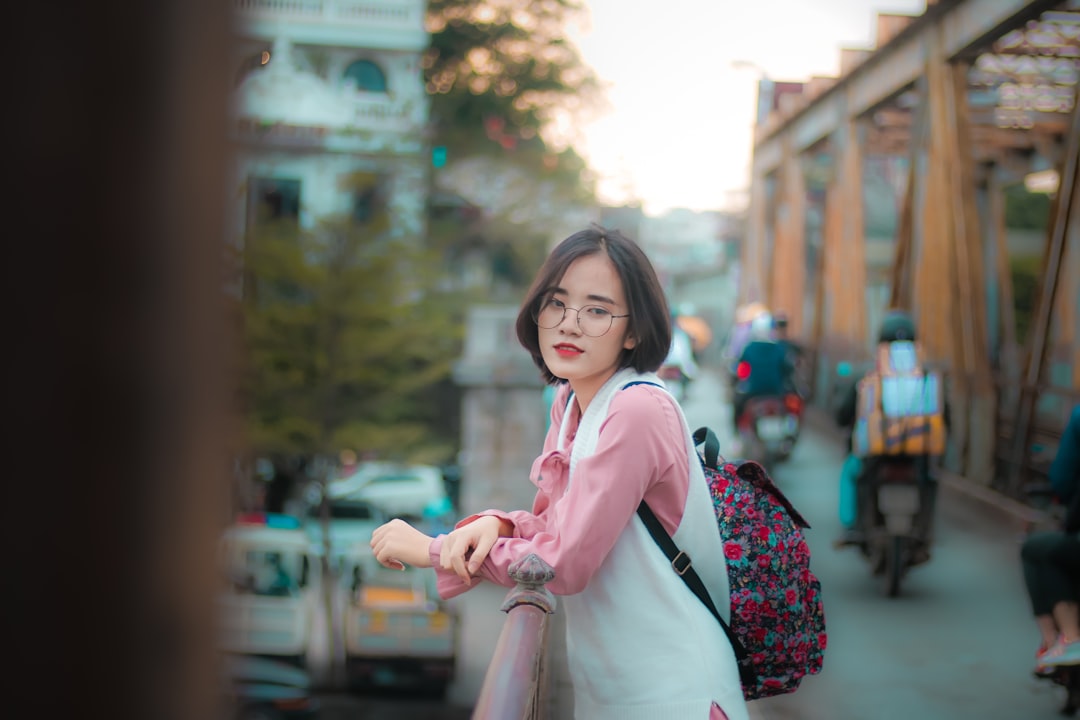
(681,86)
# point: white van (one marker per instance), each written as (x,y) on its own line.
(271,600)
(398,632)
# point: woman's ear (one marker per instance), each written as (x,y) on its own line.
(630,342)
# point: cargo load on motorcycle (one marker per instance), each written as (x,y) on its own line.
(901,405)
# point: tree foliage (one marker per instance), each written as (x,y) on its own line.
(500,73)
(1026,210)
(347,338)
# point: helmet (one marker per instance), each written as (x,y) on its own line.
(761,327)
(897,325)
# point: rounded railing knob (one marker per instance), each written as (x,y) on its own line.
(531,574)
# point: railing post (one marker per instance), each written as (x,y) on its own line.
(515,685)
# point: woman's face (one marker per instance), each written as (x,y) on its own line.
(586,362)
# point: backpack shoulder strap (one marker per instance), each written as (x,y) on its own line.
(711,450)
(680,562)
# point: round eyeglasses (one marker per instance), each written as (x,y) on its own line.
(592,320)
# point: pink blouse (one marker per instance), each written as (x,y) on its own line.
(640,452)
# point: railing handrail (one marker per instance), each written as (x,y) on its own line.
(515,685)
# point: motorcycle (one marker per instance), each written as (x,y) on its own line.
(893,516)
(675,380)
(769,427)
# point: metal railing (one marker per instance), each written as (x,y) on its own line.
(516,683)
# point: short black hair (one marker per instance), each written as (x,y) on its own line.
(650,319)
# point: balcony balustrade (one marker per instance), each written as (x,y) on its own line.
(397,24)
(387,13)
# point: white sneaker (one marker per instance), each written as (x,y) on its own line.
(1062,653)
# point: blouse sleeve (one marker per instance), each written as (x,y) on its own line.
(640,449)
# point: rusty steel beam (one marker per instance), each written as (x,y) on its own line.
(965,26)
(1066,208)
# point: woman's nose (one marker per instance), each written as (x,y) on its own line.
(570,321)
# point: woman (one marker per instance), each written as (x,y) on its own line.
(594,321)
(1051,562)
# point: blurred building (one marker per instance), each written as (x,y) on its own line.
(685,241)
(628,219)
(329,112)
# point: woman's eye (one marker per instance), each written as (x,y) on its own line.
(597,311)
(555,303)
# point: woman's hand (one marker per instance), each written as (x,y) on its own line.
(464,549)
(397,543)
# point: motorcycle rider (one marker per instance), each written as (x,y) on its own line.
(897,326)
(1051,563)
(768,364)
(793,349)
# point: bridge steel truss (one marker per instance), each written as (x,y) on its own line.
(950,261)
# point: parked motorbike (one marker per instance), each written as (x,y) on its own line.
(769,427)
(894,518)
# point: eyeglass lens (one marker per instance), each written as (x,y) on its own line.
(592,320)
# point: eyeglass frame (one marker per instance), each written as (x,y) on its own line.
(612,317)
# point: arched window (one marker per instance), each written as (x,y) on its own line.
(367,75)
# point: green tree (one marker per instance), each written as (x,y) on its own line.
(1026,210)
(348,338)
(1025,271)
(499,73)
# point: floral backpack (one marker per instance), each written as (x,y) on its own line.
(777,619)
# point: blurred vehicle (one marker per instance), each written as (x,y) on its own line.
(699,331)
(676,381)
(398,632)
(767,409)
(261,689)
(898,415)
(892,505)
(350,521)
(270,602)
(769,427)
(411,492)
(738,335)
(680,366)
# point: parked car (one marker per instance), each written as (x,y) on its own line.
(260,689)
(412,492)
(351,521)
(398,631)
(270,601)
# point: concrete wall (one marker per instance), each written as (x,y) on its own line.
(503,426)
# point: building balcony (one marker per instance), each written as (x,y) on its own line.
(377,24)
(358,125)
